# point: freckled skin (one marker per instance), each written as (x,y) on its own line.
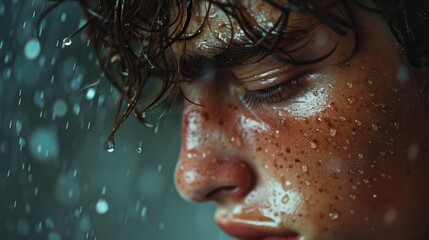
(346,170)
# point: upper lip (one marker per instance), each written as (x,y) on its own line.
(254,230)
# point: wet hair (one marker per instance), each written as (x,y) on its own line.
(133,39)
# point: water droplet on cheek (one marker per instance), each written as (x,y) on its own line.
(285,199)
(334,215)
(313,145)
(351,100)
(349,85)
(304,168)
(332,132)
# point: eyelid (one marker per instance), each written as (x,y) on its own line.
(271,77)
(278,93)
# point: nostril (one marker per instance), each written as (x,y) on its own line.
(225,180)
(218,193)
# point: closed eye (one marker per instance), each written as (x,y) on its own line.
(275,94)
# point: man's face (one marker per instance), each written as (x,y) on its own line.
(331,150)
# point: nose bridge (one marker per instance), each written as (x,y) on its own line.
(210,166)
(211,115)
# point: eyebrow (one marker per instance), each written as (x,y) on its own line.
(237,53)
(232,54)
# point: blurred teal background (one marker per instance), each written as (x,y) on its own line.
(56,180)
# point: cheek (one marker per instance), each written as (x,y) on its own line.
(348,154)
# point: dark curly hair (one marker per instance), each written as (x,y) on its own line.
(132,38)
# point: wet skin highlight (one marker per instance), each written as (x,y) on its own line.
(343,157)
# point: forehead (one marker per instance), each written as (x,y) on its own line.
(216,28)
(219,25)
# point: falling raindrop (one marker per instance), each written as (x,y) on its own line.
(139,150)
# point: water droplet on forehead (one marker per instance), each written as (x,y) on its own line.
(67,41)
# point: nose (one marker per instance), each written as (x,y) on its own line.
(223,180)
(212,166)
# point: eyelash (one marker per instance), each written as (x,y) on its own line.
(274,94)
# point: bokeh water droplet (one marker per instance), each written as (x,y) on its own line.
(60,108)
(44,144)
(32,49)
(54,236)
(102,206)
(90,94)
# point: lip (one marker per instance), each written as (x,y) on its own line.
(254,230)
